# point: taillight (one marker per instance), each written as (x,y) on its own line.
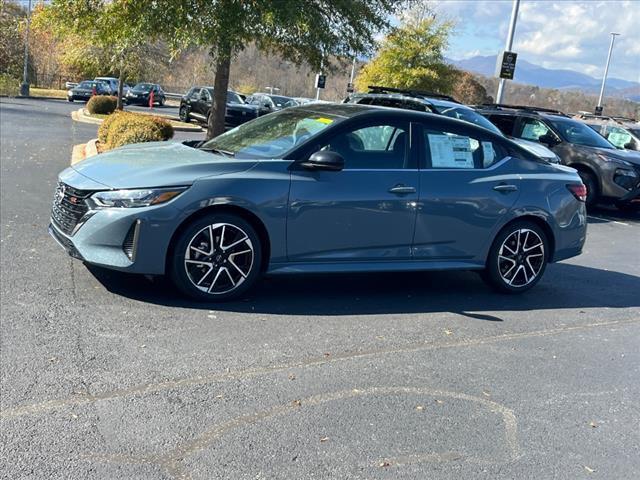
(578,190)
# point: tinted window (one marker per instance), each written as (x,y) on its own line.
(505,123)
(377,146)
(455,151)
(577,132)
(194,93)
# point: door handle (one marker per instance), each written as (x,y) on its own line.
(504,188)
(402,190)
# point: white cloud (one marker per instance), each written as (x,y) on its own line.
(559,33)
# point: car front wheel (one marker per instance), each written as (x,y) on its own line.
(518,257)
(216,258)
(591,183)
(184,114)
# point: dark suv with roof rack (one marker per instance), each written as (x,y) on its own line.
(610,174)
(441,104)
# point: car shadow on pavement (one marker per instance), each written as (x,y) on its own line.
(563,286)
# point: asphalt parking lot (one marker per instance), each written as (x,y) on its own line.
(391,376)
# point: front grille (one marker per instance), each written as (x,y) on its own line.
(69,207)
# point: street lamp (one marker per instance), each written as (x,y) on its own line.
(598,110)
(512,30)
(24,86)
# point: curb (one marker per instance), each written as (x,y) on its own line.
(31,97)
(83,151)
(80,116)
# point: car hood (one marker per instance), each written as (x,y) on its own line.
(242,107)
(153,164)
(626,155)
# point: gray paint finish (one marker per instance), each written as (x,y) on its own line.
(322,221)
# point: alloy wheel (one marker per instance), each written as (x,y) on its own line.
(521,257)
(219,258)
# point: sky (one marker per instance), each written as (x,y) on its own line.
(568,34)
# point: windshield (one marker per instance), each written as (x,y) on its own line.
(579,134)
(90,84)
(273,135)
(143,87)
(280,101)
(233,97)
(468,115)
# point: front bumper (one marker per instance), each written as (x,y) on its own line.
(131,240)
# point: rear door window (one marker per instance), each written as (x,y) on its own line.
(449,150)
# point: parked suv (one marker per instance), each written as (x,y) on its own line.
(621,132)
(196,105)
(440,104)
(609,174)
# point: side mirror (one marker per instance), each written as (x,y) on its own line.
(548,140)
(324,160)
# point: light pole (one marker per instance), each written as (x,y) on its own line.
(606,71)
(512,31)
(24,86)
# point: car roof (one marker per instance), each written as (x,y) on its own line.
(355,110)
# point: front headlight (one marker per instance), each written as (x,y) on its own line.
(135,198)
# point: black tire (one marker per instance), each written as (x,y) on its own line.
(242,269)
(591,183)
(162,100)
(497,273)
(184,114)
(70,99)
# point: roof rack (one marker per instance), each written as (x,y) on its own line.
(527,108)
(415,93)
(593,116)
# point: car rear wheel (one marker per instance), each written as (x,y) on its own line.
(518,257)
(591,183)
(216,258)
(184,115)
(162,100)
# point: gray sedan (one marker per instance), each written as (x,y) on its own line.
(323,188)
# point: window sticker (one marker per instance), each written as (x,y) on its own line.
(450,151)
(488,154)
(533,131)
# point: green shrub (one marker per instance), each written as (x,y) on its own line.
(9,85)
(123,128)
(101,104)
(103,129)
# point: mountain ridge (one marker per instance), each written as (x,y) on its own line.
(561,79)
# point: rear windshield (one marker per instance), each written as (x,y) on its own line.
(468,115)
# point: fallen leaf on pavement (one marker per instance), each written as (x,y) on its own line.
(594,424)
(589,469)
(384,464)
(296,403)
(292,376)
(448,332)
(419,407)
(324,439)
